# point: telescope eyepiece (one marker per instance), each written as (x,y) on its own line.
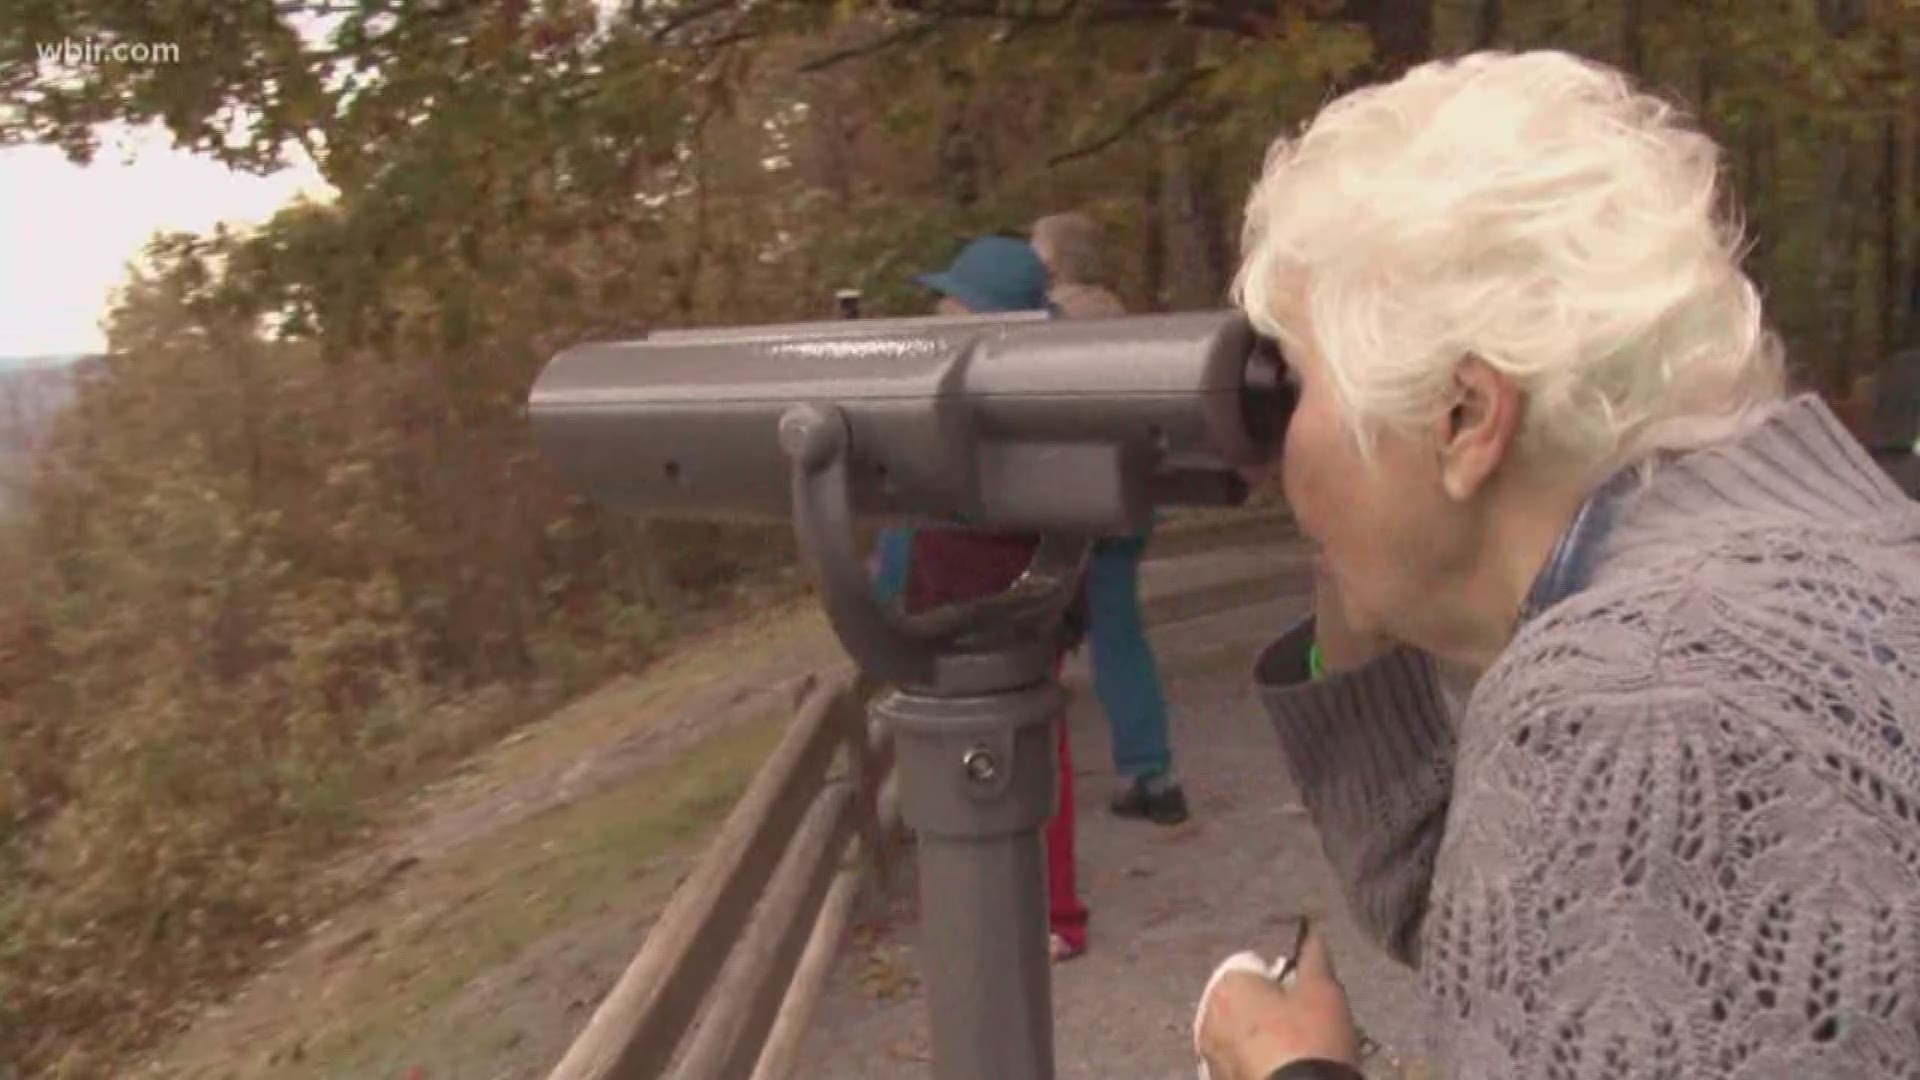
(1267,398)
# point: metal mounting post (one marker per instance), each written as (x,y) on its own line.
(973,726)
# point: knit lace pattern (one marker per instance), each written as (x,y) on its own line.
(1676,832)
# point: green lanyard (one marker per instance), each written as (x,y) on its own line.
(1315,669)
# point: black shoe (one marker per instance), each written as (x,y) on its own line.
(1155,798)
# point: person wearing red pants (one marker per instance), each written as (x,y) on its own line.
(1066,915)
(932,567)
(948,566)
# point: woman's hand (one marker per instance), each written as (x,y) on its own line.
(1343,644)
(1252,1026)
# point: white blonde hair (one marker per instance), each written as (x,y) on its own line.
(1069,245)
(1533,210)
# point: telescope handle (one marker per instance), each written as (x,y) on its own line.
(995,643)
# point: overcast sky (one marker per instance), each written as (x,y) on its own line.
(68,233)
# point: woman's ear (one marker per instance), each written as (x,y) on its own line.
(1478,430)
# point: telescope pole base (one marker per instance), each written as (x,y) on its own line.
(977,785)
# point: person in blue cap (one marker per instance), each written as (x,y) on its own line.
(991,274)
(998,273)
(931,567)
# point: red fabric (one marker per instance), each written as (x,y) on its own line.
(949,566)
(1066,915)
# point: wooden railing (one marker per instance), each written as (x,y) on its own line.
(752,933)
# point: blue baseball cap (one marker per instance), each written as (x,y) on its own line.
(994,273)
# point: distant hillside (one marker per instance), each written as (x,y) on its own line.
(33,389)
(43,360)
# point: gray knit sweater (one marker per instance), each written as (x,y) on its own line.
(1675,832)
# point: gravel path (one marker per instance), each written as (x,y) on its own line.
(1168,903)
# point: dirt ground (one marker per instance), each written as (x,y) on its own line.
(508,898)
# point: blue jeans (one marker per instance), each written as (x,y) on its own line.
(1125,678)
(891,553)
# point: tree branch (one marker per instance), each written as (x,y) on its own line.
(683,18)
(905,35)
(1159,102)
(731,37)
(307,7)
(1247,18)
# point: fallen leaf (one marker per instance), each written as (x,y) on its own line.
(885,976)
(907,1050)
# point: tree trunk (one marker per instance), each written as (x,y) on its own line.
(1197,250)
(845,137)
(1704,86)
(1402,33)
(518,570)
(1153,253)
(1218,218)
(687,295)
(1180,219)
(1192,272)
(1833,293)
(1755,196)
(959,156)
(1777,137)
(1486,32)
(1633,47)
(1842,17)
(1900,234)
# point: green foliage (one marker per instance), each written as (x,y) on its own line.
(292,550)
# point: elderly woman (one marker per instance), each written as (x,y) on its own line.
(1542,438)
(1069,246)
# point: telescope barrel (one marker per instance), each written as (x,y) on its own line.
(1002,421)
